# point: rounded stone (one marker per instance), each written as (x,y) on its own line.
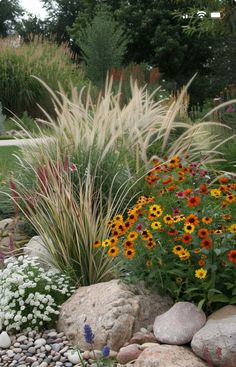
(5,340)
(178,325)
(39,342)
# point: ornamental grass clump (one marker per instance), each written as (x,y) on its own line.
(68,218)
(30,296)
(182,238)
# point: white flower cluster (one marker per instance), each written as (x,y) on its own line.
(29,295)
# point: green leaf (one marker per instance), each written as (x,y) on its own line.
(234,292)
(233,301)
(201,303)
(219,298)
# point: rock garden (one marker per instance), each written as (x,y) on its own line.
(118,184)
(134,258)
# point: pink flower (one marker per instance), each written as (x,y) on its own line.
(73,168)
(139,227)
(176,211)
(180,194)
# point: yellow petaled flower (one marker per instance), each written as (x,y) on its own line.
(129,253)
(231,198)
(177,249)
(106,243)
(168,219)
(200,273)
(156,209)
(215,192)
(232,228)
(156,225)
(118,218)
(177,218)
(149,263)
(189,228)
(150,244)
(113,251)
(97,244)
(132,236)
(146,235)
(207,220)
(174,161)
(113,241)
(184,255)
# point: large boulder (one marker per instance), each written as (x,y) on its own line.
(216,341)
(168,356)
(114,311)
(179,324)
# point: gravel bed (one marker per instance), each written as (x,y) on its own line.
(34,349)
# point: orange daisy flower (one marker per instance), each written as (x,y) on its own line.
(130,253)
(172,232)
(207,220)
(186,238)
(97,244)
(203,188)
(193,219)
(194,201)
(187,191)
(129,244)
(201,262)
(206,243)
(113,251)
(232,256)
(223,179)
(203,232)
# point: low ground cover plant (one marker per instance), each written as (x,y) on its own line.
(30,296)
(181,238)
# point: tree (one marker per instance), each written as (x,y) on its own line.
(102,43)
(31,27)
(62,14)
(9,11)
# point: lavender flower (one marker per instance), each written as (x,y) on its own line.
(105,351)
(88,334)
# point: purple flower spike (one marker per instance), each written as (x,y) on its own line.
(105,351)
(88,334)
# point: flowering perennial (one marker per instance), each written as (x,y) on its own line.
(182,237)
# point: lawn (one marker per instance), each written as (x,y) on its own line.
(8,162)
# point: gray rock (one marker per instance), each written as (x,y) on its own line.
(39,342)
(52,334)
(178,325)
(5,340)
(32,350)
(114,311)
(36,248)
(216,342)
(223,313)
(129,353)
(168,356)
